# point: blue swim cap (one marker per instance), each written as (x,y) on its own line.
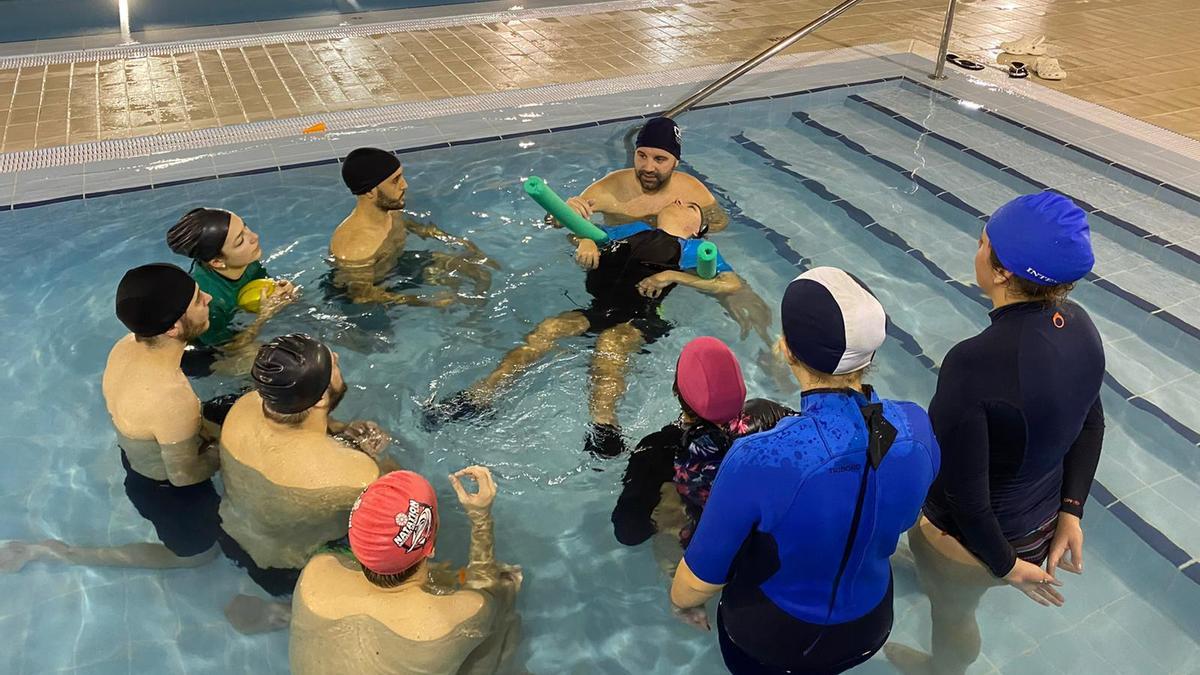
(1043,238)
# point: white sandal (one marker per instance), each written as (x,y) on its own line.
(1049,69)
(1025,45)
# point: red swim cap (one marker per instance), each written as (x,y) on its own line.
(393,525)
(710,380)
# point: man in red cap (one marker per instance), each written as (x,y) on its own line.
(384,612)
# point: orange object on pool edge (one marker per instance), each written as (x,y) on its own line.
(316,128)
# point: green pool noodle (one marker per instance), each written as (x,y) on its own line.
(546,198)
(706,260)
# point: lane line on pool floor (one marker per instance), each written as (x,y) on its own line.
(1151,535)
(1191,255)
(957,202)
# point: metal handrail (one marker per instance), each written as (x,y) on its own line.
(774,49)
(939,68)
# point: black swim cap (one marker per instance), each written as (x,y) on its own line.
(200,233)
(151,298)
(365,168)
(662,133)
(292,372)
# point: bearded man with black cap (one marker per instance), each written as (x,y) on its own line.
(368,248)
(289,484)
(165,435)
(639,193)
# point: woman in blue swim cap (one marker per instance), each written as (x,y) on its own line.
(1017,412)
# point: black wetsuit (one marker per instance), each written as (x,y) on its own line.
(635,252)
(1017,413)
(651,464)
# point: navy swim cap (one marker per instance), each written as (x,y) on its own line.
(1043,238)
(831,321)
(292,373)
(151,298)
(365,168)
(662,133)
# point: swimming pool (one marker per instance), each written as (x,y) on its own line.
(887,179)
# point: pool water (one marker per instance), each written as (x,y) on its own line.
(887,180)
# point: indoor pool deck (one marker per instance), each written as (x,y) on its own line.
(1138,57)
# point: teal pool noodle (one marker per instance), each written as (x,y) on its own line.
(546,198)
(706,260)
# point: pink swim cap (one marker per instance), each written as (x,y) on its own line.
(710,380)
(393,525)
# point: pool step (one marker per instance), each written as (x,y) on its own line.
(1126,328)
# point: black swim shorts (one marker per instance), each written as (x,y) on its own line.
(278,581)
(644,317)
(185,518)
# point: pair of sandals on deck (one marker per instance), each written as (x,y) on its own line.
(1045,67)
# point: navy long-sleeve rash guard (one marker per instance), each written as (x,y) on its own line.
(1018,417)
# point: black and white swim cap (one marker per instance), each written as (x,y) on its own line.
(831,321)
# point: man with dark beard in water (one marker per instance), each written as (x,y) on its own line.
(652,184)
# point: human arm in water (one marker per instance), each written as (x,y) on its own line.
(651,464)
(358,280)
(722,284)
(431,231)
(1079,469)
(499,584)
(187,456)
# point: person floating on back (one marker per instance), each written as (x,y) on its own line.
(1018,411)
(799,527)
(628,280)
(381,611)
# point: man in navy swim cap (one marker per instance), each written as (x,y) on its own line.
(370,256)
(653,183)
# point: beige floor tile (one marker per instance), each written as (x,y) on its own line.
(1141,57)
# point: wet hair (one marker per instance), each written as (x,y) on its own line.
(760,414)
(1050,295)
(390,580)
(200,233)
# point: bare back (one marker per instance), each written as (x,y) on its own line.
(288,490)
(151,405)
(343,623)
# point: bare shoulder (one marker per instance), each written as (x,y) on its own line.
(465,605)
(696,189)
(352,244)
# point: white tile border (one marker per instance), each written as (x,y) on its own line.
(332,33)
